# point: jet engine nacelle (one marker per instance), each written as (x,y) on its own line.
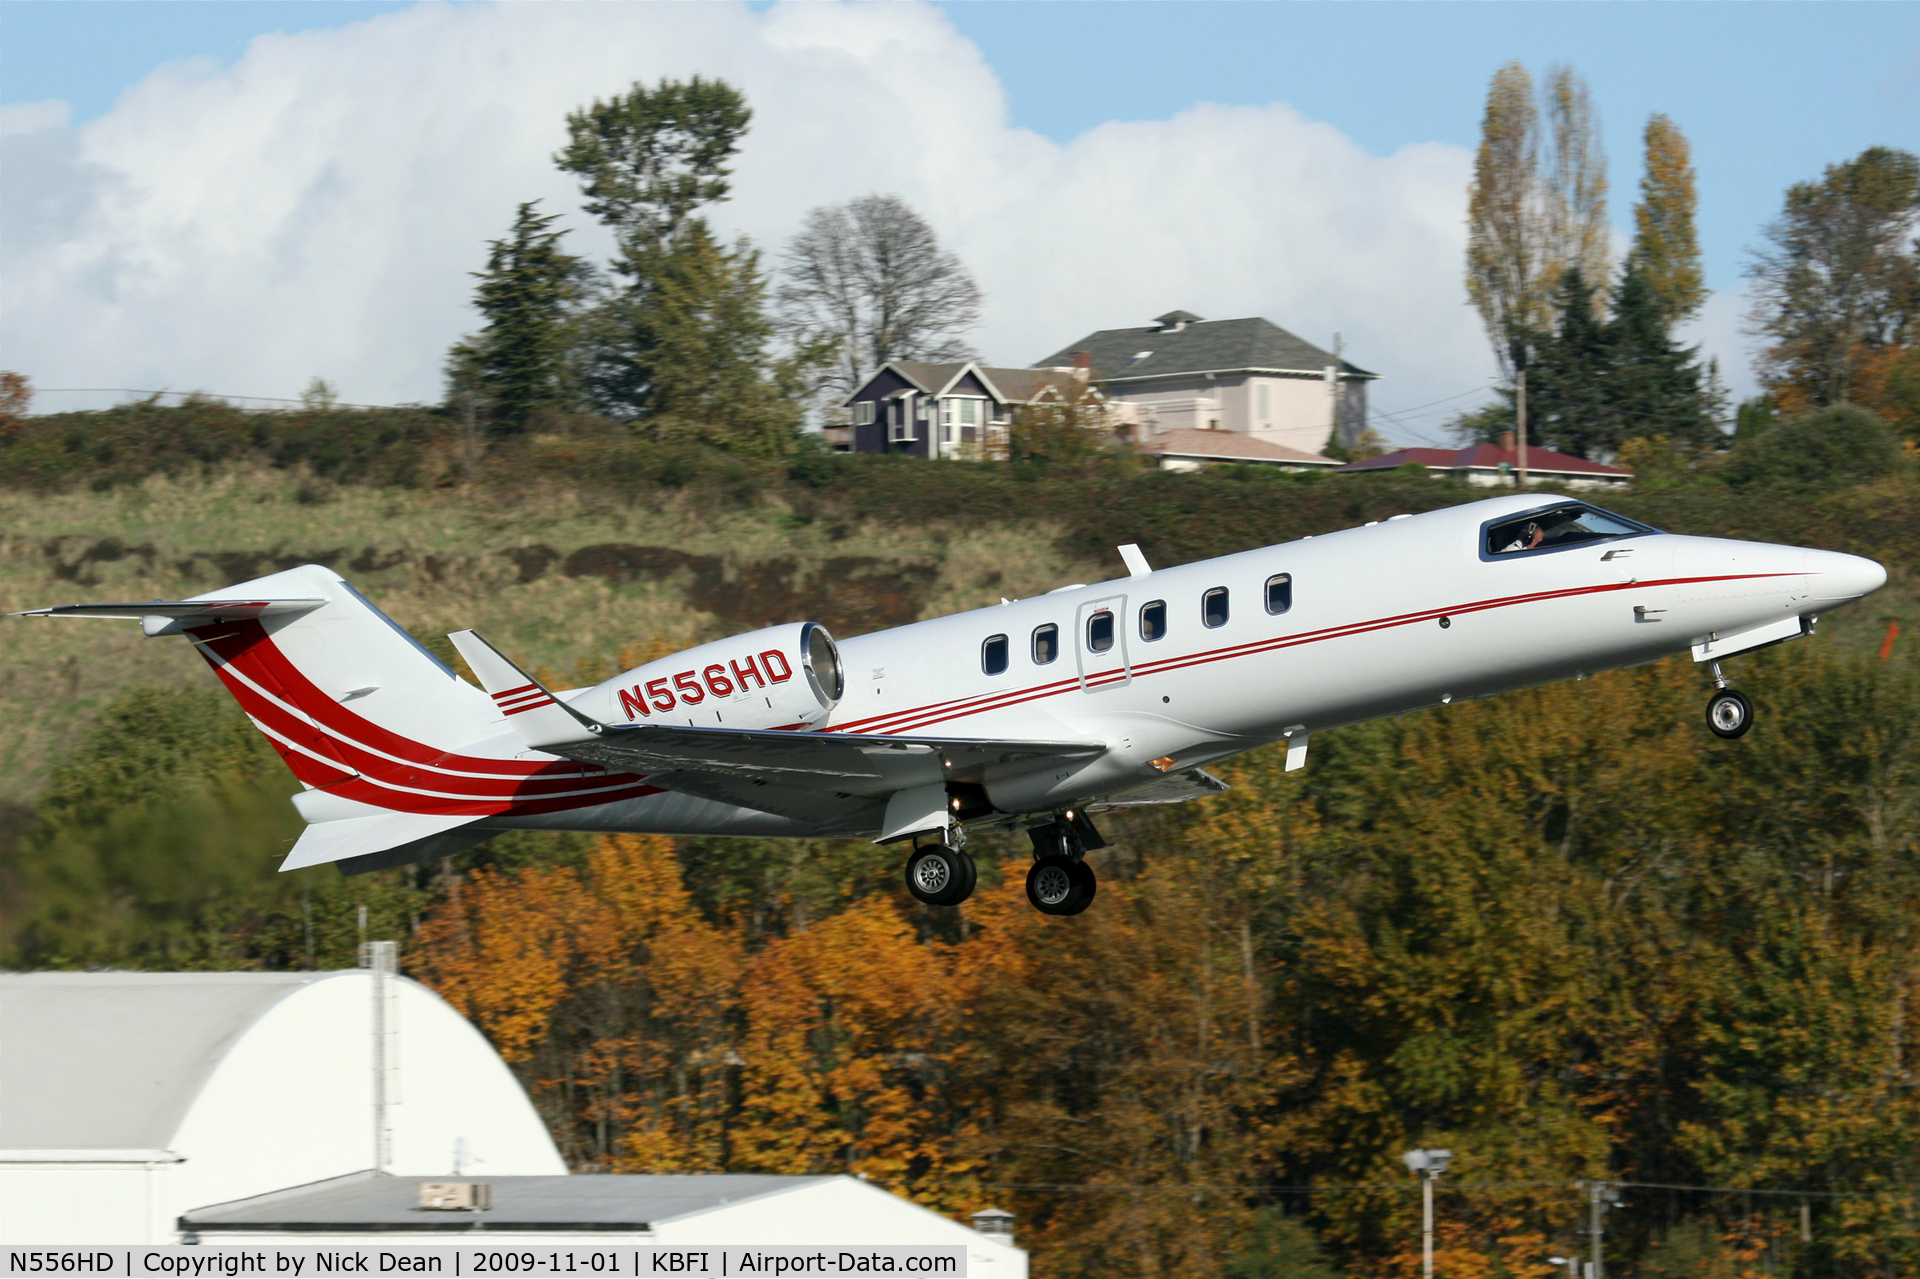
(781,677)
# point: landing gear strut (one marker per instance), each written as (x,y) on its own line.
(1060,881)
(1729,711)
(942,874)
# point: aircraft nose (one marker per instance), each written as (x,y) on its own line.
(1833,576)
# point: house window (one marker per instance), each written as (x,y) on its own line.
(1046,644)
(1279,592)
(1100,631)
(863,413)
(993,655)
(1153,620)
(959,412)
(1266,403)
(899,425)
(1213,607)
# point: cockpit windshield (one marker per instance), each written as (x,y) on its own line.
(1558,527)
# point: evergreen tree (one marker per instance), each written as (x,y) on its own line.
(527,293)
(1593,384)
(1657,386)
(694,359)
(682,345)
(1567,383)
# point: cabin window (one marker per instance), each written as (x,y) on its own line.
(993,655)
(1046,644)
(1279,592)
(863,413)
(1153,620)
(1213,607)
(1559,527)
(1100,632)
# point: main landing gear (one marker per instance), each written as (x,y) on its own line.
(942,874)
(1729,711)
(1060,881)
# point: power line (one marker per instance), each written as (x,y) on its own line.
(209,395)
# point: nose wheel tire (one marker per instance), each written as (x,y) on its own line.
(941,876)
(1060,885)
(1729,713)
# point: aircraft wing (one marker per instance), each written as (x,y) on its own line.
(801,774)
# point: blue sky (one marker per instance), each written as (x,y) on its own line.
(1351,124)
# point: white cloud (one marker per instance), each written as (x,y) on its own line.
(1720,330)
(314,208)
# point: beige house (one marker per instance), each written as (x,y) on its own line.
(1249,376)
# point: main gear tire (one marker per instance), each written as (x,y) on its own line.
(1084,881)
(1729,713)
(1059,886)
(940,876)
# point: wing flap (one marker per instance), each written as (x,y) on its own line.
(1174,788)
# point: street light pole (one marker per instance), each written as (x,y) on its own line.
(1428,1164)
(1426,1226)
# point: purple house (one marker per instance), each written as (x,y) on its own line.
(941,410)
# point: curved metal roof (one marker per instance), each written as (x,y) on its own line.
(113,1061)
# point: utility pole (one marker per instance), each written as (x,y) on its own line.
(1333,394)
(1601,1195)
(1520,422)
(1428,1164)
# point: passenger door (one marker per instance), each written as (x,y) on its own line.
(1100,644)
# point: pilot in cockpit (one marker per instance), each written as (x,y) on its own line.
(1529,537)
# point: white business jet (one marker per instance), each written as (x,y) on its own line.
(1031,715)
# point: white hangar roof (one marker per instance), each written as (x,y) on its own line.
(129,1098)
(111,1061)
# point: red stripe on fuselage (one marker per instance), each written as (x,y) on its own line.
(894,723)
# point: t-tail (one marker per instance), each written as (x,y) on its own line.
(400,759)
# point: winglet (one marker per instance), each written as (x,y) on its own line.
(540,718)
(1135,560)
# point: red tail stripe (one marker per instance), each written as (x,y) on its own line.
(257,654)
(272,720)
(251,666)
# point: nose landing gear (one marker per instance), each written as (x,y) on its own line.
(1060,881)
(1729,711)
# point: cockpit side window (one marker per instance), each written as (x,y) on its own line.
(1556,528)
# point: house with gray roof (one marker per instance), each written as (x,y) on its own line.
(941,410)
(1249,376)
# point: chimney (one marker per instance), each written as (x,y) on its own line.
(995,1224)
(1506,441)
(1083,365)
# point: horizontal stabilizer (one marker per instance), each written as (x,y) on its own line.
(164,617)
(353,838)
